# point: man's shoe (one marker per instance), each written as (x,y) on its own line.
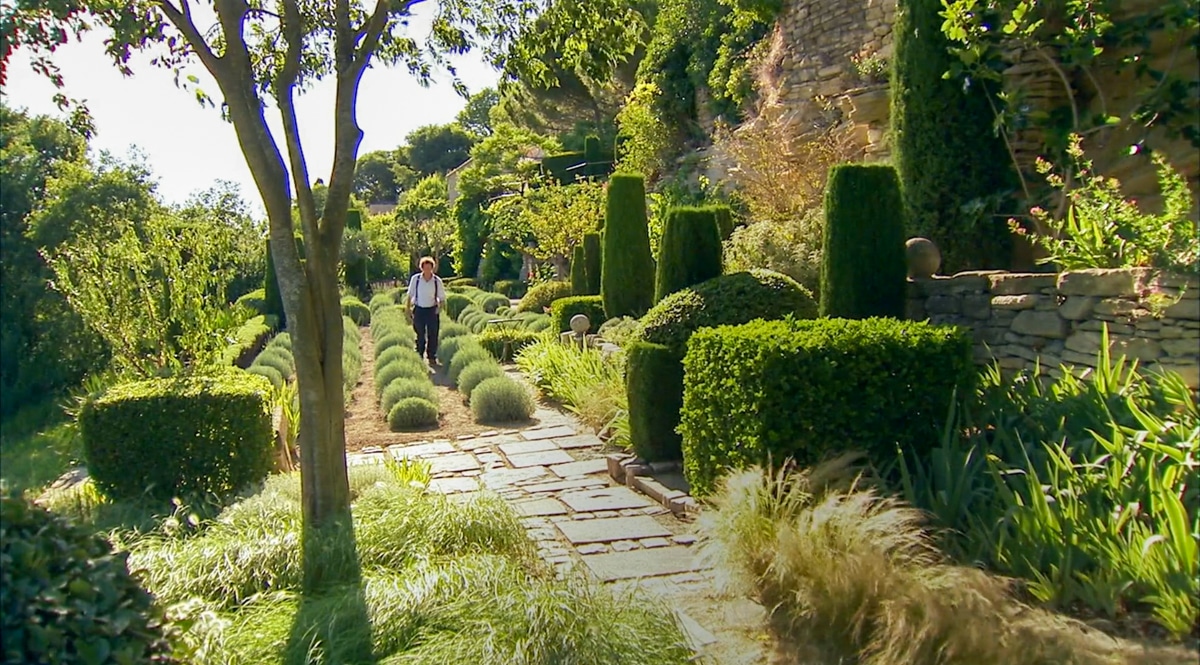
(433,362)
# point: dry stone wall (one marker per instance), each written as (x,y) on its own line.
(1019,319)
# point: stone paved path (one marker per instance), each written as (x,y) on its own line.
(555,475)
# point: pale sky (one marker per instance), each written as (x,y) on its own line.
(189,147)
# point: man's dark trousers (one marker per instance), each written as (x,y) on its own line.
(425,322)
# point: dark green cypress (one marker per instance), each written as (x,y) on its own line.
(578,272)
(271,288)
(862,267)
(944,147)
(592,158)
(356,271)
(690,252)
(627,269)
(724,220)
(654,386)
(591,260)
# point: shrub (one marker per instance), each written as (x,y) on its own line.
(390,340)
(562,310)
(489,302)
(381,300)
(183,435)
(450,329)
(272,297)
(256,301)
(654,388)
(627,278)
(539,297)
(726,300)
(863,265)
(392,354)
(248,339)
(463,284)
(592,263)
(620,331)
(724,219)
(464,357)
(513,288)
(354,308)
(399,369)
(771,390)
(67,597)
(578,272)
(477,372)
(588,382)
(690,252)
(945,150)
(282,339)
(269,373)
(500,400)
(448,349)
(403,388)
(412,413)
(278,358)
(791,246)
(497,338)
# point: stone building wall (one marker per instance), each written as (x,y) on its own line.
(1021,318)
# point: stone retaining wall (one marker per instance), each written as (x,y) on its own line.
(1022,318)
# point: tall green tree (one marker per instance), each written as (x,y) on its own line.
(381,175)
(949,158)
(438,148)
(476,116)
(627,269)
(260,56)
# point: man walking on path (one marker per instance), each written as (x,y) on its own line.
(426,293)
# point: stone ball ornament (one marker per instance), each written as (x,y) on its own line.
(580,324)
(923,258)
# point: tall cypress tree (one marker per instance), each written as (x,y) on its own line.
(627,270)
(690,252)
(591,259)
(862,264)
(271,290)
(578,272)
(945,150)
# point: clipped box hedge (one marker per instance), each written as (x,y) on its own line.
(654,384)
(767,391)
(169,437)
(563,309)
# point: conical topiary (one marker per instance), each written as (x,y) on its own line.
(627,269)
(591,261)
(862,270)
(690,252)
(271,290)
(578,272)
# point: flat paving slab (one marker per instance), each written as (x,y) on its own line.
(565,485)
(422,450)
(453,463)
(555,432)
(540,508)
(609,498)
(453,485)
(503,478)
(580,468)
(580,441)
(642,563)
(608,530)
(522,447)
(544,458)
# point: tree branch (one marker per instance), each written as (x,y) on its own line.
(182,20)
(293,34)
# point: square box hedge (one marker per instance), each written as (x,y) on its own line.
(170,437)
(767,391)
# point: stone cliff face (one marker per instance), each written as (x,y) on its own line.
(808,74)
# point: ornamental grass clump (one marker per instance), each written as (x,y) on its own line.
(500,400)
(412,413)
(857,577)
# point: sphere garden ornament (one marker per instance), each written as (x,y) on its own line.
(580,324)
(923,256)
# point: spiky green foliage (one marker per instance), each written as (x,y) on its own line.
(592,260)
(863,263)
(690,252)
(627,270)
(944,146)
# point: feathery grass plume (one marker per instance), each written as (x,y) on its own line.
(857,575)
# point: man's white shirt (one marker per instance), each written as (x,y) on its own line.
(425,293)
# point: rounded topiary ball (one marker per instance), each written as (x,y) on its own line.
(476,373)
(500,399)
(403,388)
(412,413)
(731,299)
(923,258)
(65,597)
